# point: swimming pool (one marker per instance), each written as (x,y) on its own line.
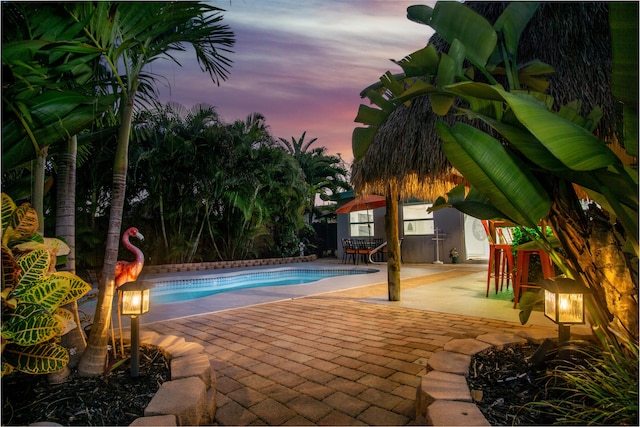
(189,289)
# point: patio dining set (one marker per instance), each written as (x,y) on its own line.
(363,250)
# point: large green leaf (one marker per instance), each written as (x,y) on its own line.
(361,140)
(453,20)
(77,286)
(531,75)
(423,62)
(29,324)
(48,293)
(522,141)
(35,266)
(36,359)
(513,21)
(573,145)
(17,147)
(474,204)
(623,24)
(441,103)
(489,167)
(370,116)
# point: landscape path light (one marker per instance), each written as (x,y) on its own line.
(135,303)
(564,305)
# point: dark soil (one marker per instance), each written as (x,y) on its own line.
(506,380)
(112,399)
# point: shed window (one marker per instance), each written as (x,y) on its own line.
(361,223)
(416,220)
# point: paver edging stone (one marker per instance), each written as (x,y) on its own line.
(458,409)
(189,366)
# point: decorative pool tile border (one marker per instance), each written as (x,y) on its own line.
(199,266)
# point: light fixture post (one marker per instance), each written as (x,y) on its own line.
(135,346)
(564,305)
(135,302)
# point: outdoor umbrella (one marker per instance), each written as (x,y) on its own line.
(370,201)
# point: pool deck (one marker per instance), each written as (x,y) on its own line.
(462,294)
(336,352)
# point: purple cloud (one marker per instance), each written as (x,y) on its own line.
(301,64)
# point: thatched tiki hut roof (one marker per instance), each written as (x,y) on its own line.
(572,37)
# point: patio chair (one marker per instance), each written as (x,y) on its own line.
(500,259)
(364,248)
(349,250)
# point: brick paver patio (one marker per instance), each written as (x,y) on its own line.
(328,359)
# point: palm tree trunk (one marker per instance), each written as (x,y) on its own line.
(65,207)
(163,222)
(65,229)
(393,243)
(37,187)
(93,360)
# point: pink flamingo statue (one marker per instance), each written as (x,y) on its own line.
(127,271)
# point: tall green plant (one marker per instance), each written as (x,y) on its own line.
(129,36)
(32,295)
(531,177)
(323,173)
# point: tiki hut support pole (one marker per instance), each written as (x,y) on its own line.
(393,243)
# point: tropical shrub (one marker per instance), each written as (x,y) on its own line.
(600,386)
(33,294)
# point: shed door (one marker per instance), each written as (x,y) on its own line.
(475,239)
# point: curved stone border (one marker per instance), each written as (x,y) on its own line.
(199,266)
(443,397)
(189,398)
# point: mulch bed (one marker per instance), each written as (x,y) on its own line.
(111,399)
(506,380)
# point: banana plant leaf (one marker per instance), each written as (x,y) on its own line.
(513,21)
(623,24)
(474,204)
(574,146)
(504,179)
(453,20)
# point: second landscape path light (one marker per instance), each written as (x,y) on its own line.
(564,305)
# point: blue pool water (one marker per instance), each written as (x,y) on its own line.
(188,289)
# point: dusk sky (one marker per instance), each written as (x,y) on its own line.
(301,63)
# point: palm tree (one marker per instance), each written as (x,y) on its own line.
(130,36)
(323,173)
(173,138)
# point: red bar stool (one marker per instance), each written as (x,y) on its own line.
(522,271)
(500,261)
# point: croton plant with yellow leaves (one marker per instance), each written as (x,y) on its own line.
(33,294)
